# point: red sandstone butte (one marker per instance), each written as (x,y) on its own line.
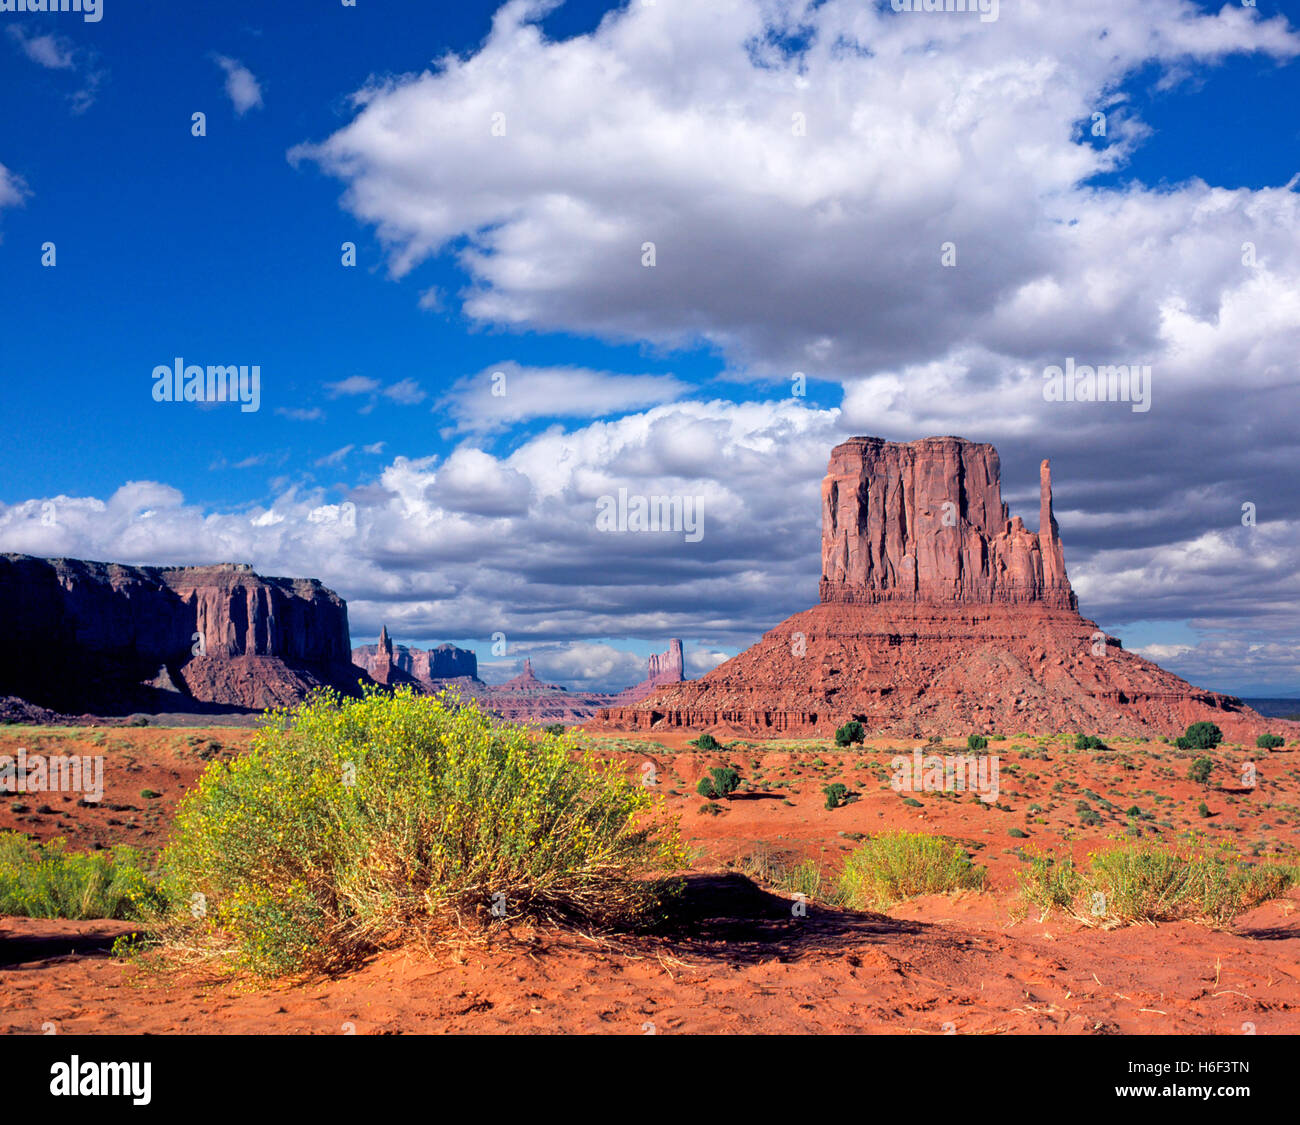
(106,638)
(939,615)
(443,666)
(665,668)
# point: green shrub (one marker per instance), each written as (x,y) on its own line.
(706,741)
(722,782)
(351,820)
(850,733)
(1270,741)
(1088,742)
(1200,736)
(48,881)
(976,742)
(554,728)
(896,865)
(1200,769)
(1018,833)
(836,793)
(1088,816)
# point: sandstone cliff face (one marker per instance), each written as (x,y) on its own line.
(103,637)
(938,627)
(241,614)
(924,521)
(445,662)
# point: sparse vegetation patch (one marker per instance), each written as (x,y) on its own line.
(351,820)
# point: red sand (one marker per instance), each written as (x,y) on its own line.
(739,960)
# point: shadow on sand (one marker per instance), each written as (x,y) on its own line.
(22,949)
(729,917)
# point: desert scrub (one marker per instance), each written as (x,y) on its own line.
(805,878)
(351,820)
(1200,736)
(1050,884)
(837,794)
(48,881)
(897,865)
(720,782)
(850,733)
(1153,883)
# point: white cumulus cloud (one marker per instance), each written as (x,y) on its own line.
(242,88)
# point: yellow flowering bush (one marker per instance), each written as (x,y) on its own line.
(893,866)
(351,820)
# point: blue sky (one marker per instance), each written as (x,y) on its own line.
(174,245)
(223,249)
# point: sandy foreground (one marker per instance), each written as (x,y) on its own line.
(739,957)
(937,966)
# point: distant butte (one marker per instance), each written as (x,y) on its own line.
(939,615)
(524,698)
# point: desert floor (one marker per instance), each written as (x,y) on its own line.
(738,957)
